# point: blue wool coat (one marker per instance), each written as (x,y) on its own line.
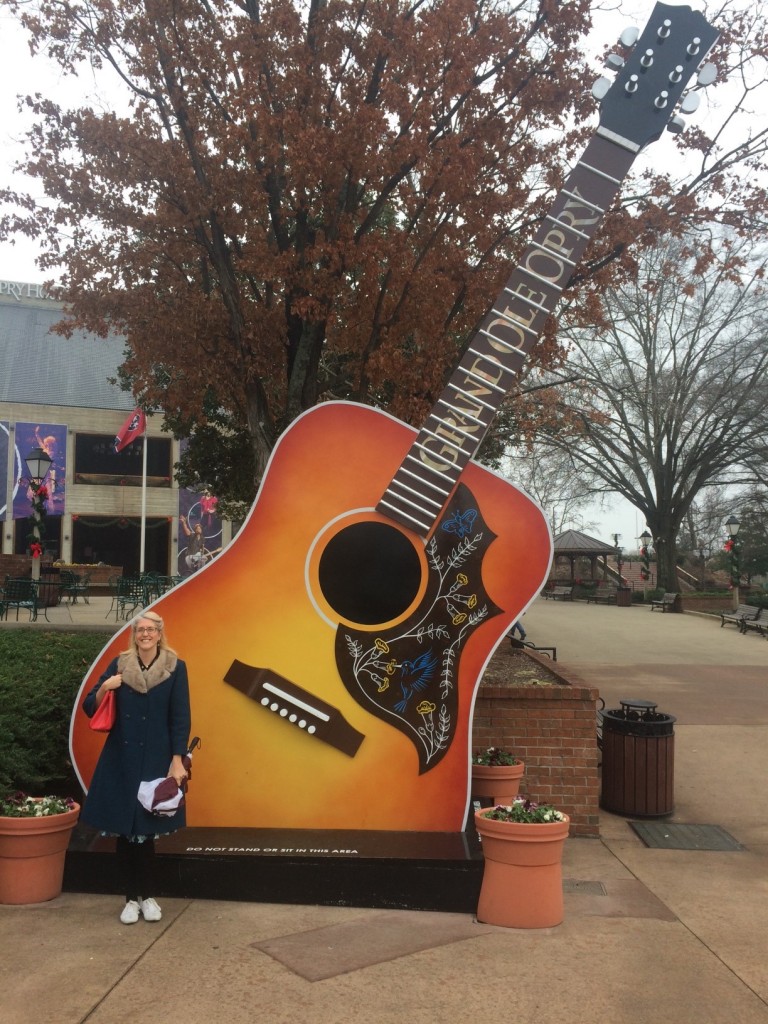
(149,729)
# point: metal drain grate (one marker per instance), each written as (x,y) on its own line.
(588,888)
(668,836)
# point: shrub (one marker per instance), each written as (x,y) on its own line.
(40,674)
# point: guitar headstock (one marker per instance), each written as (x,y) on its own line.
(641,103)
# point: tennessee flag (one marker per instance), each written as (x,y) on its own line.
(133,427)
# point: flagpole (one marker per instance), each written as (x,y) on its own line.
(143,503)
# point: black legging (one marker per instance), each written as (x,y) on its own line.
(136,864)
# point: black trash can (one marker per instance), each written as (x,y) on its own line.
(638,760)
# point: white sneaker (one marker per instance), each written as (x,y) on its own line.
(150,909)
(130,914)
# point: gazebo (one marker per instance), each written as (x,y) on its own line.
(577,552)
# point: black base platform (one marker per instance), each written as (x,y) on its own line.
(403,870)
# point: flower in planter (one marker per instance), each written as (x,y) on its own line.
(495,757)
(524,811)
(19,805)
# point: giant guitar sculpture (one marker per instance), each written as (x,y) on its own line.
(334,649)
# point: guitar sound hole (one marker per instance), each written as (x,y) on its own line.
(369,573)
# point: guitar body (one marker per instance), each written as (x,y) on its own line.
(335,648)
(322,605)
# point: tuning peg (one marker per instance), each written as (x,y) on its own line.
(676,74)
(629,36)
(664,29)
(694,46)
(631,84)
(661,100)
(690,102)
(601,87)
(676,125)
(647,59)
(614,62)
(707,75)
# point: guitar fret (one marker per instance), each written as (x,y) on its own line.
(599,173)
(479,379)
(401,500)
(556,255)
(453,427)
(590,206)
(443,439)
(472,398)
(567,227)
(460,412)
(404,515)
(445,491)
(538,277)
(528,301)
(412,490)
(430,454)
(494,361)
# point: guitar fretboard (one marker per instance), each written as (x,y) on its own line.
(494,358)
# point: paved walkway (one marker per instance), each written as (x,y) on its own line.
(650,935)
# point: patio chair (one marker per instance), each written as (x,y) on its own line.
(74,586)
(20,592)
(130,595)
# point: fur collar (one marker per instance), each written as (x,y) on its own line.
(141,681)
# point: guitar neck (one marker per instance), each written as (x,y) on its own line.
(494,357)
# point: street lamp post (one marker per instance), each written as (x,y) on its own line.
(733,525)
(645,553)
(38,463)
(619,550)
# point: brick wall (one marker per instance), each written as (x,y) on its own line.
(552,729)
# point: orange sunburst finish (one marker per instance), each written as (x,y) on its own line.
(258,603)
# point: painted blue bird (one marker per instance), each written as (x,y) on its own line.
(415,676)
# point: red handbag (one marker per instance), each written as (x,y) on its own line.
(104,717)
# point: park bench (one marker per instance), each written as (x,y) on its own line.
(758,624)
(561,593)
(551,652)
(740,615)
(603,595)
(667,601)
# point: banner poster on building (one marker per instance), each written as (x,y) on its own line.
(52,438)
(5,447)
(199,529)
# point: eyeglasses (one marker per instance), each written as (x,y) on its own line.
(147,629)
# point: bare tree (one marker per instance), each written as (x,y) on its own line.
(673,389)
(562,489)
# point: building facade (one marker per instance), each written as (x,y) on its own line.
(59,393)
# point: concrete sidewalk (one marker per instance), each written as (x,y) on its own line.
(656,935)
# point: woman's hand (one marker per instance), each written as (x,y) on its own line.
(113,683)
(177,770)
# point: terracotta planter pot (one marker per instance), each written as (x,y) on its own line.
(522,875)
(32,852)
(499,782)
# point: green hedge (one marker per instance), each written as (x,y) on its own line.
(40,674)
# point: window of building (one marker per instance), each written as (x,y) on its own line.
(97,462)
(116,540)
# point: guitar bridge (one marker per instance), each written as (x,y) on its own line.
(295,705)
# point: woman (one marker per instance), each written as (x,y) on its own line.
(147,741)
